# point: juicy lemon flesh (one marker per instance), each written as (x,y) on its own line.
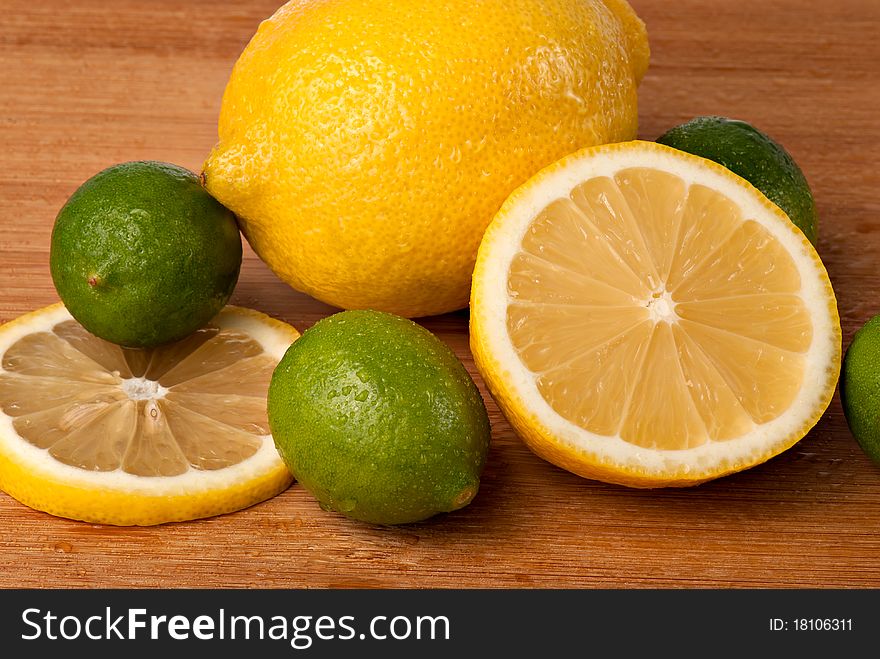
(654,311)
(195,404)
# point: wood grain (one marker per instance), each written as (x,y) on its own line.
(84,85)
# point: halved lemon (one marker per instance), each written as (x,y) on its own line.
(646,317)
(111,435)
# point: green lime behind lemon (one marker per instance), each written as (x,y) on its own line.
(754,156)
(378,419)
(860,388)
(142,255)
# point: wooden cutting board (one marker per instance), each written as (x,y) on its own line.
(88,84)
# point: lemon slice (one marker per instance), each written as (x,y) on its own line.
(645,317)
(95,432)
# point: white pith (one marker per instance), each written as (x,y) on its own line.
(143,389)
(662,307)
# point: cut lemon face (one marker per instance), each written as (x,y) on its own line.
(111,435)
(645,317)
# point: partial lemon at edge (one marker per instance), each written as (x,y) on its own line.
(95,432)
(646,317)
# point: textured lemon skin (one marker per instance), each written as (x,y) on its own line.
(42,490)
(540,439)
(366,144)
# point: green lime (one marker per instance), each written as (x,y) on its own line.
(378,419)
(754,156)
(860,388)
(142,255)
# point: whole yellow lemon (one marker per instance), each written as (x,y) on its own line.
(366,144)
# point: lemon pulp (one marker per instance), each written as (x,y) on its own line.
(677,329)
(93,431)
(96,406)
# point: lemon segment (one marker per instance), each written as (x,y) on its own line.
(93,431)
(646,317)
